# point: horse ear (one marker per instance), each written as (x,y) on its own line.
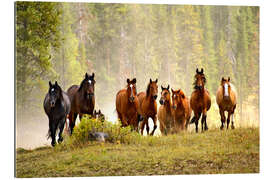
(197,71)
(95,112)
(128,81)
(172,90)
(156,80)
(150,80)
(168,88)
(50,83)
(202,70)
(86,75)
(134,80)
(229,79)
(162,88)
(93,75)
(99,112)
(56,83)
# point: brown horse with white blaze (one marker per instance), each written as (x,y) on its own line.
(127,105)
(182,111)
(148,106)
(82,99)
(226,100)
(165,111)
(200,100)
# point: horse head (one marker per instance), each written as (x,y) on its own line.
(88,85)
(200,79)
(177,97)
(131,89)
(165,95)
(225,83)
(152,89)
(55,93)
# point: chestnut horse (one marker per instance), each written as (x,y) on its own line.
(200,100)
(82,99)
(148,106)
(127,105)
(165,112)
(226,100)
(182,111)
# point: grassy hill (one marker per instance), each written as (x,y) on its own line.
(215,151)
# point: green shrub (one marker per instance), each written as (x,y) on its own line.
(117,134)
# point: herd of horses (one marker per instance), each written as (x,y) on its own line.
(174,113)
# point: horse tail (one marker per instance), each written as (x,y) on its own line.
(49,134)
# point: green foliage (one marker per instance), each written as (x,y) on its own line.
(117,134)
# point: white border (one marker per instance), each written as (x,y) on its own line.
(7,86)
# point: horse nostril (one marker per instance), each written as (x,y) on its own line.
(161,102)
(155,96)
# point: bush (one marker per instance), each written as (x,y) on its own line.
(117,134)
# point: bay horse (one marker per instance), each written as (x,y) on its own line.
(82,99)
(57,106)
(200,100)
(226,100)
(165,111)
(127,105)
(182,110)
(148,106)
(98,115)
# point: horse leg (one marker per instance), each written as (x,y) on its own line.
(142,126)
(72,120)
(155,125)
(197,117)
(228,119)
(204,119)
(52,132)
(232,122)
(222,115)
(62,124)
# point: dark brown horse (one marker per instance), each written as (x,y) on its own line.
(226,100)
(165,111)
(57,106)
(148,106)
(182,110)
(127,105)
(98,115)
(200,100)
(82,99)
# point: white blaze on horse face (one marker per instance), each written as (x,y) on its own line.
(52,89)
(226,92)
(131,87)
(89,81)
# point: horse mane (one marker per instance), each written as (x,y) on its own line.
(81,85)
(148,90)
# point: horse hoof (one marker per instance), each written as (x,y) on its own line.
(232,127)
(221,127)
(53,144)
(60,140)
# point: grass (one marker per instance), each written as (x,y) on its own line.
(215,151)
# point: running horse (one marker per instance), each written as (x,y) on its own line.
(57,106)
(165,111)
(200,100)
(148,106)
(127,105)
(82,99)
(226,100)
(182,110)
